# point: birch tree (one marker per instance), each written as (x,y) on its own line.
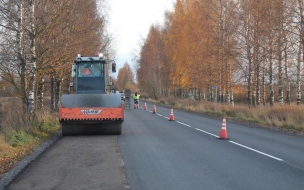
(301,53)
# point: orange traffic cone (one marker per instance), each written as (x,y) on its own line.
(223,133)
(171,115)
(154,109)
(145,107)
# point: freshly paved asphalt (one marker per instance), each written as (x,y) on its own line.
(186,154)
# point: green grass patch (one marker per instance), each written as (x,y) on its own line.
(22,136)
(18,138)
(290,126)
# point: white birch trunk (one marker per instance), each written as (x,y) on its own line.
(286,75)
(57,93)
(53,96)
(280,57)
(281,101)
(271,98)
(228,81)
(22,62)
(40,94)
(31,93)
(263,85)
(231,99)
(299,78)
(300,58)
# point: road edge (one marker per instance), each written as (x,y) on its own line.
(20,165)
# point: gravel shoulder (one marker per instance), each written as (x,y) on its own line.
(7,177)
(76,162)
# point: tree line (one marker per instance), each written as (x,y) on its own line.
(125,79)
(208,47)
(39,39)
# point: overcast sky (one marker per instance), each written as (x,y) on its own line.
(130,21)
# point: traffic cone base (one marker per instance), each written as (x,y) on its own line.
(171,115)
(154,109)
(223,133)
(223,136)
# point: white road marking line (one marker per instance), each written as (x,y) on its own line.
(207,132)
(159,114)
(184,124)
(166,117)
(279,159)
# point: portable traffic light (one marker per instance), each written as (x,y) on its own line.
(114,67)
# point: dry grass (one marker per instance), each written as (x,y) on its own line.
(287,117)
(5,149)
(21,133)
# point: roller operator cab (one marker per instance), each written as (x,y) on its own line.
(91,111)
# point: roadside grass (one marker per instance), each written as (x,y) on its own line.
(284,117)
(20,133)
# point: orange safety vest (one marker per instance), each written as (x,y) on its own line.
(85,71)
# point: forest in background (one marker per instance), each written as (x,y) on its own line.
(250,51)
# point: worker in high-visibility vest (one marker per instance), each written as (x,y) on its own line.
(136,97)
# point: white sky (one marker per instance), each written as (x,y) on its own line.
(130,21)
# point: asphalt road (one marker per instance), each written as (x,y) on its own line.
(154,153)
(186,154)
(77,162)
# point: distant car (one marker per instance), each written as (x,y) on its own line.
(123,96)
